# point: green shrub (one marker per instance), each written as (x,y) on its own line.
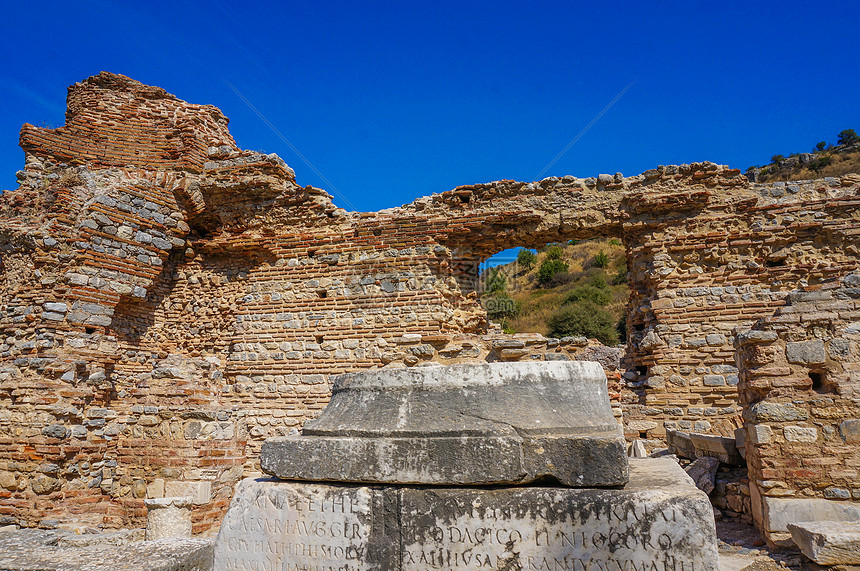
(598,280)
(614,242)
(820,163)
(501,306)
(526,258)
(819,146)
(553,252)
(596,295)
(621,327)
(776,159)
(496,281)
(584,319)
(600,260)
(549,268)
(620,277)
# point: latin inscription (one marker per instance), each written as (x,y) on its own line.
(304,527)
(315,527)
(533,531)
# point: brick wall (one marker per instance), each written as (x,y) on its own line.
(169,304)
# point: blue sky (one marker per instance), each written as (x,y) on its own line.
(395,100)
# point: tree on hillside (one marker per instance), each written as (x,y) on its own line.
(820,145)
(549,269)
(553,252)
(496,281)
(526,258)
(848,137)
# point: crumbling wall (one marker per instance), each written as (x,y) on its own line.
(800,387)
(169,304)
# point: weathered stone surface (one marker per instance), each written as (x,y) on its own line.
(122,537)
(779,512)
(720,447)
(806,352)
(679,443)
(703,472)
(775,412)
(302,524)
(168,517)
(828,542)
(850,430)
(54,550)
(800,433)
(659,518)
(463,424)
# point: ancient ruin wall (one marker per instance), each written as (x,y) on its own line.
(170,300)
(800,387)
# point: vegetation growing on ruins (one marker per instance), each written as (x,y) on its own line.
(578,288)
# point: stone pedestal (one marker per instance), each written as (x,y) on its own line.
(396,472)
(493,423)
(658,521)
(168,517)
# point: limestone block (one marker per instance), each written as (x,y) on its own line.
(775,412)
(777,513)
(800,433)
(806,352)
(199,491)
(760,434)
(720,447)
(828,542)
(155,489)
(680,444)
(658,517)
(168,517)
(850,430)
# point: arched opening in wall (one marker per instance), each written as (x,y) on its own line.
(576,288)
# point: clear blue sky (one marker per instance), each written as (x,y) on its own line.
(394,100)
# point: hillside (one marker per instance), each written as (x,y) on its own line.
(824,160)
(587,298)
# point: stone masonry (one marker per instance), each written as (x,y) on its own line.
(169,300)
(800,387)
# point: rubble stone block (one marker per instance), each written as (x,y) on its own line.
(850,430)
(800,433)
(806,352)
(828,542)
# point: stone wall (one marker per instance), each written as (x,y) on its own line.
(169,300)
(800,387)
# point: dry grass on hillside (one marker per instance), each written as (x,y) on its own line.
(841,164)
(539,303)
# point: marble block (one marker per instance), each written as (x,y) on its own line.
(659,521)
(470,424)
